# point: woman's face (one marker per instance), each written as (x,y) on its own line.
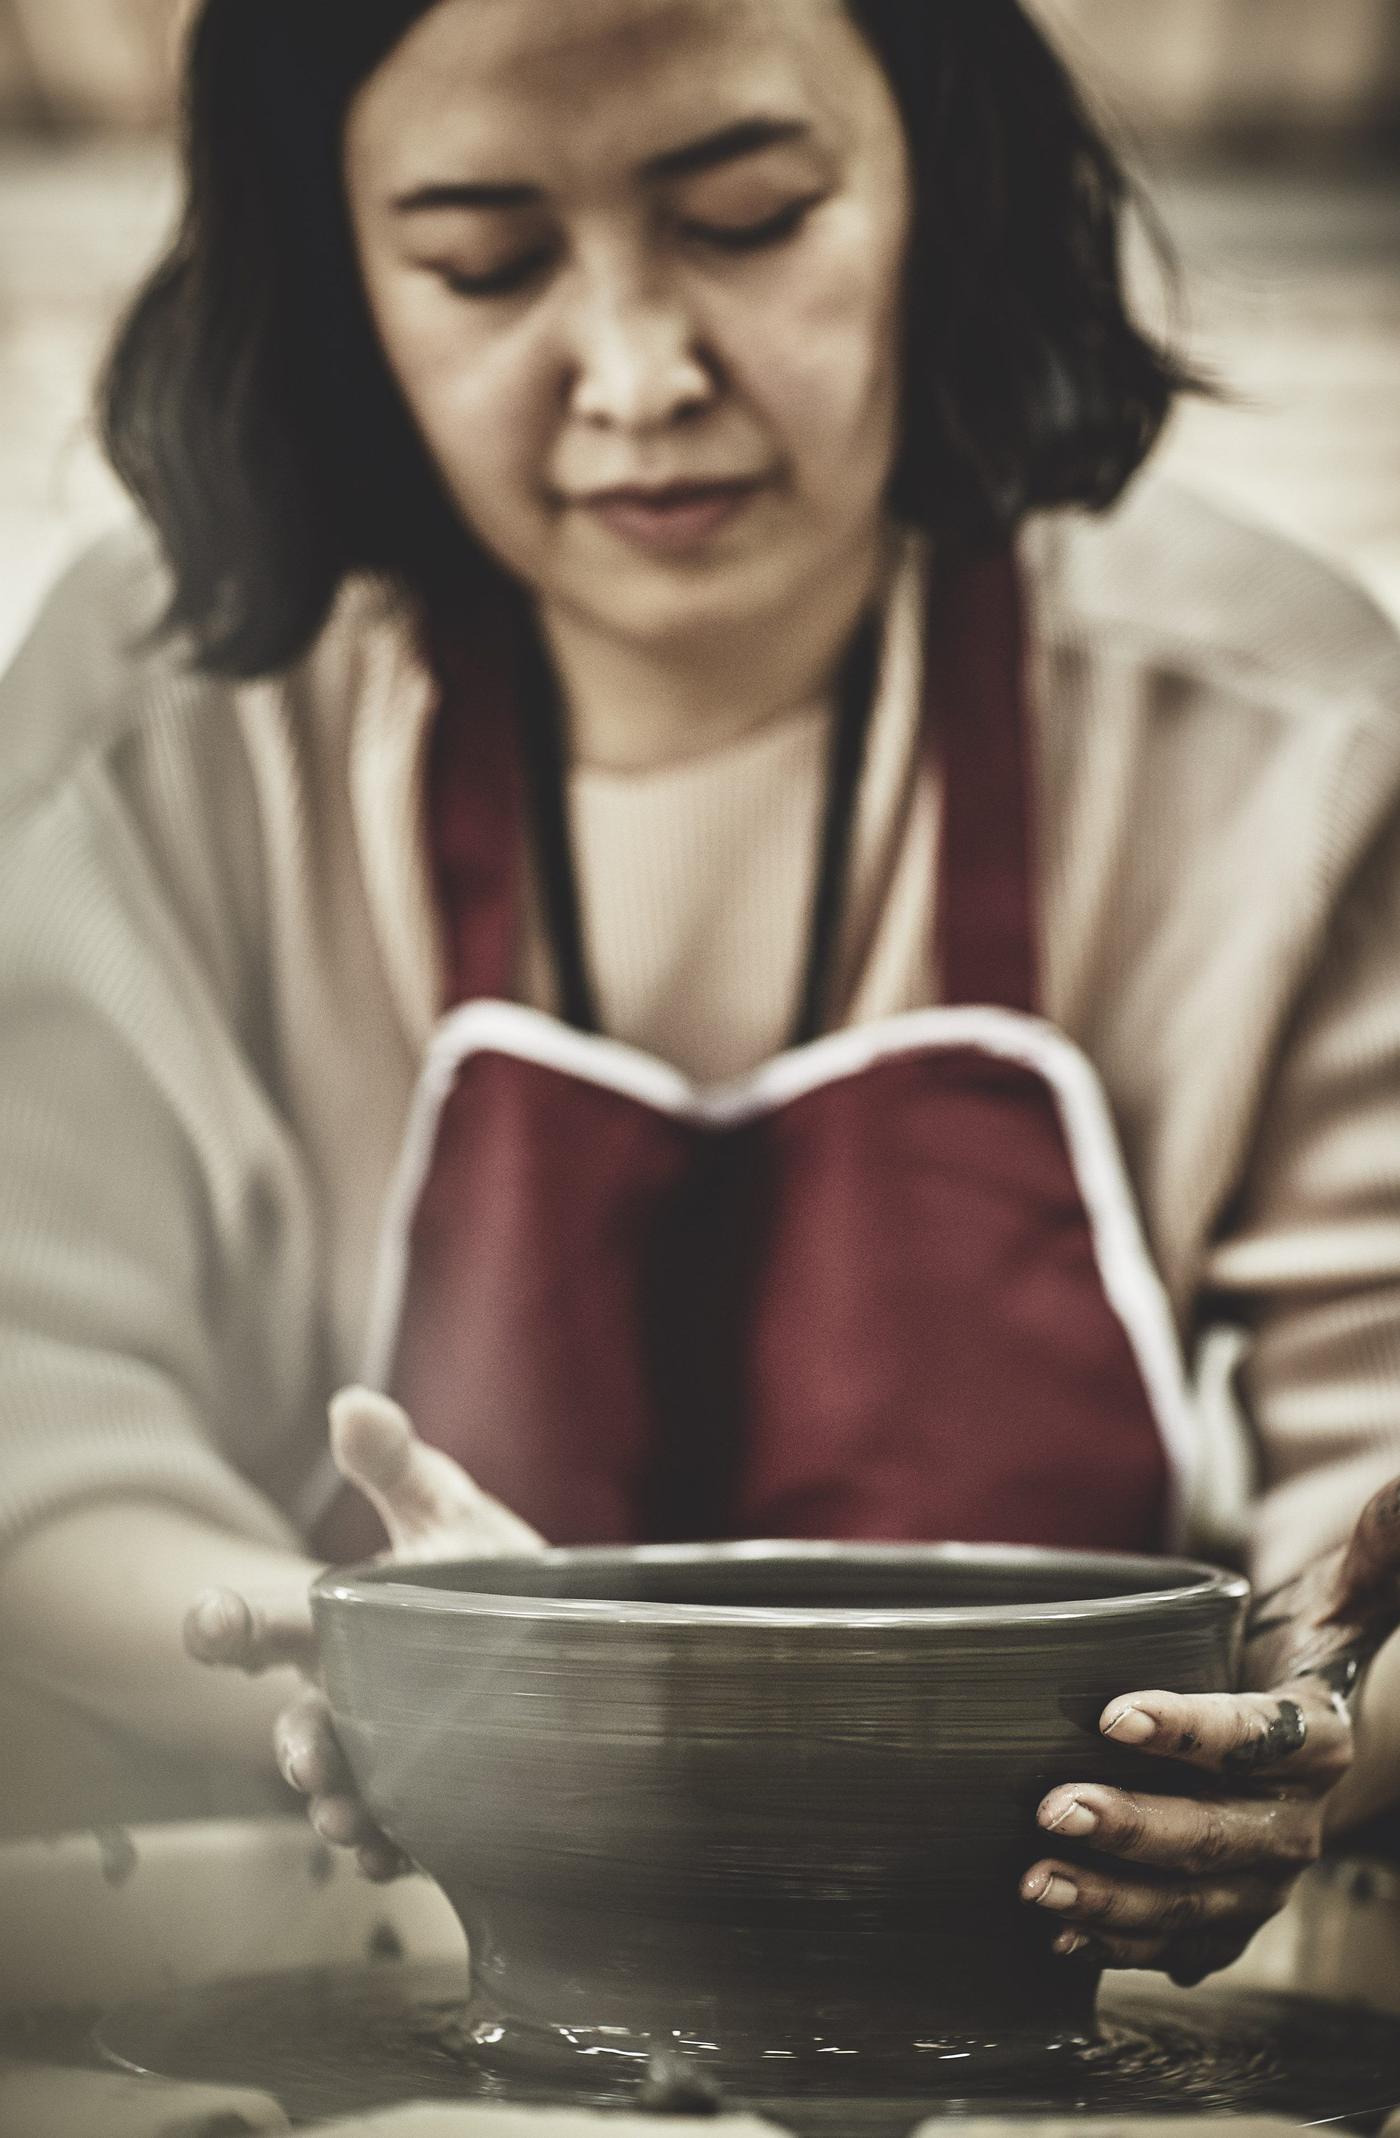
(637,267)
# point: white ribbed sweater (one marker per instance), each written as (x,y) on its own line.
(219,971)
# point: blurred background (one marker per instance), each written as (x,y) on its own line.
(1267,133)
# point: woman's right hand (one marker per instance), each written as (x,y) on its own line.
(431,1510)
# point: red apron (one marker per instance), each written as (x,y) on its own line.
(889,1286)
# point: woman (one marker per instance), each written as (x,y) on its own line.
(614,900)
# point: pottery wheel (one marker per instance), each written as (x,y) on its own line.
(333,2042)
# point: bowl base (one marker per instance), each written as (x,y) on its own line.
(829,2059)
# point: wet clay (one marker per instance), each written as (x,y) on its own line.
(1284,1733)
(334,2043)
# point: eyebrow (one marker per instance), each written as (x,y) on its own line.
(749,137)
(746,138)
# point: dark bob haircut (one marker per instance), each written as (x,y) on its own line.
(248,407)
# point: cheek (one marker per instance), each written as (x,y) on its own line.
(481,402)
(823,363)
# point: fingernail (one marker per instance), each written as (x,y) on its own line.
(294,1770)
(1130,1726)
(214,1615)
(1069,1941)
(1058,1893)
(1074,1819)
(332,1821)
(381,1862)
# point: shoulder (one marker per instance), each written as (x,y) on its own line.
(97,681)
(1220,743)
(1181,586)
(91,670)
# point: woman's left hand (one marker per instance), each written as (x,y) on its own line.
(1183,1883)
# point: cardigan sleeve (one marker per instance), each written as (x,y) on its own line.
(132,1139)
(113,1318)
(1309,1263)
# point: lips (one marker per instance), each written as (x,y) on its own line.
(670,517)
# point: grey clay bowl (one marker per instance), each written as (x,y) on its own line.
(767,1804)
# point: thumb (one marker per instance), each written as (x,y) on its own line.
(1368,1584)
(424,1499)
(253,1632)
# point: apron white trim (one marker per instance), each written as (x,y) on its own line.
(1130,1280)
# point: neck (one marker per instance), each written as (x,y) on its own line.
(638,708)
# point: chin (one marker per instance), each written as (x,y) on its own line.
(678,605)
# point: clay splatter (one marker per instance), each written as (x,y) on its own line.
(320,1865)
(673,2087)
(118,1854)
(1285,1733)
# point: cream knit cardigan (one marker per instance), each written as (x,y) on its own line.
(219,972)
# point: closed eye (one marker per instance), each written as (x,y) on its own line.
(503,281)
(755,237)
(515,275)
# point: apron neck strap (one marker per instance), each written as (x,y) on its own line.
(975,720)
(474,799)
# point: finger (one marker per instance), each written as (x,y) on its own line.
(1192,1835)
(381,1861)
(250,1633)
(417,1491)
(308,1751)
(344,1822)
(1092,1899)
(1368,1587)
(1297,1732)
(1188,1960)
(1279,1619)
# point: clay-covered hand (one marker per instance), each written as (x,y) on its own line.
(1182,1883)
(431,1510)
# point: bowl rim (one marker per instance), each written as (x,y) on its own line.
(382,1584)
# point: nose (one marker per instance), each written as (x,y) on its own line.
(637,360)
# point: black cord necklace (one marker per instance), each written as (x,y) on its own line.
(542,740)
